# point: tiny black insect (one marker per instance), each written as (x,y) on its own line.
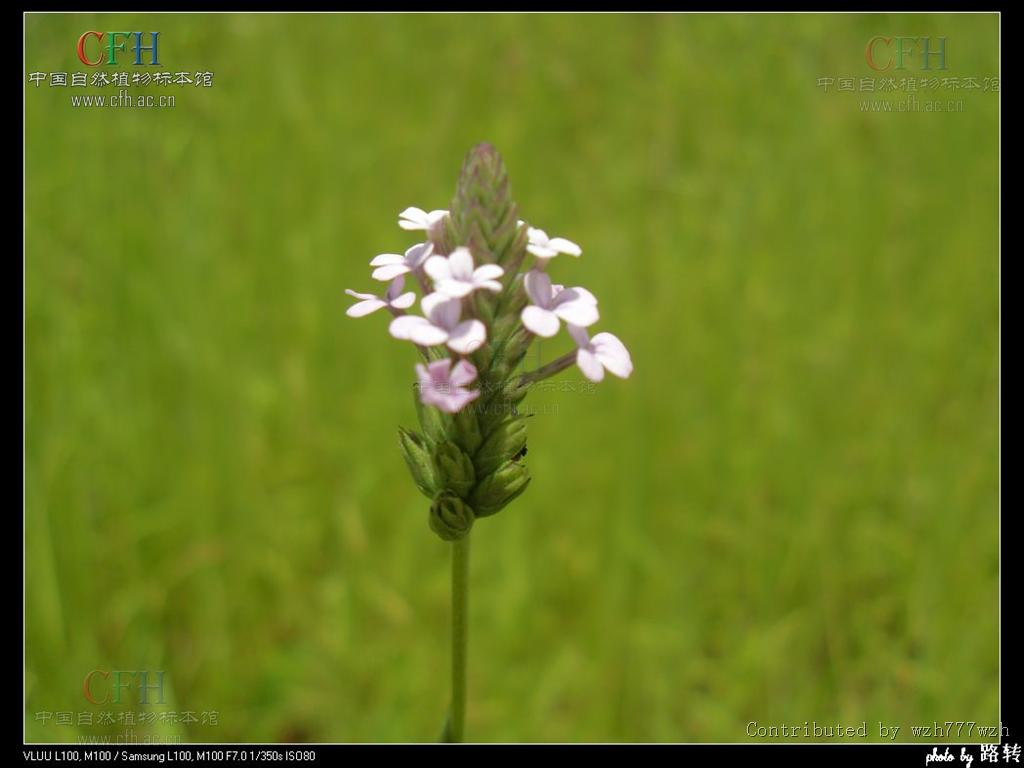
(518,456)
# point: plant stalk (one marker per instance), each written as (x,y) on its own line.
(453,728)
(547,371)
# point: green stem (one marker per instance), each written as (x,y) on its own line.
(460,604)
(546,372)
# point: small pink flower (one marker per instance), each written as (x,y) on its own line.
(440,326)
(602,353)
(413,218)
(391,265)
(553,302)
(544,248)
(455,276)
(444,385)
(393,298)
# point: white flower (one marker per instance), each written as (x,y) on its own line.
(602,353)
(551,302)
(440,326)
(454,275)
(393,298)
(544,248)
(416,218)
(391,265)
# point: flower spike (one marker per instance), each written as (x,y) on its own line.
(484,301)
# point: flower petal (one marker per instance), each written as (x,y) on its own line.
(460,263)
(417,329)
(438,268)
(537,236)
(452,402)
(490,285)
(417,254)
(357,295)
(455,288)
(395,288)
(589,364)
(541,251)
(462,398)
(389,272)
(613,354)
(436,217)
(413,218)
(577,293)
(562,245)
(540,321)
(581,313)
(487,272)
(438,370)
(538,288)
(401,327)
(439,385)
(365,307)
(442,310)
(430,301)
(386,258)
(404,301)
(467,337)
(579,335)
(463,373)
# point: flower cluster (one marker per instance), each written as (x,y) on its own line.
(454,278)
(486,295)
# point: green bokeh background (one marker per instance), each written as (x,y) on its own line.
(788,513)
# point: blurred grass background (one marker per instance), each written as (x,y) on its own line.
(789,513)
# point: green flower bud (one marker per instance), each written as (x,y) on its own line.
(482,358)
(450,517)
(498,489)
(517,301)
(515,298)
(508,354)
(506,441)
(465,430)
(506,324)
(517,346)
(484,303)
(515,392)
(455,469)
(419,461)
